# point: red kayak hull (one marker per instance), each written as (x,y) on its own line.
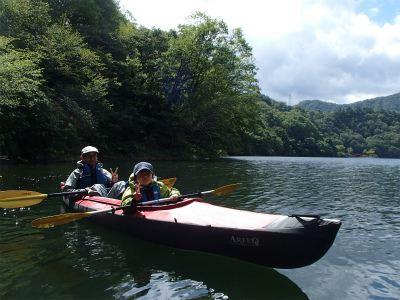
(275,241)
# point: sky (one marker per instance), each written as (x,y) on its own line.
(338,51)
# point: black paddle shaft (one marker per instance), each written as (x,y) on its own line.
(80,192)
(198,194)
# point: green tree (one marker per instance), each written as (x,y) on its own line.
(139,104)
(304,135)
(97,21)
(25,111)
(208,76)
(53,78)
(75,72)
(24,20)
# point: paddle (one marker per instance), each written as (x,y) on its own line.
(220,191)
(52,221)
(169,182)
(15,199)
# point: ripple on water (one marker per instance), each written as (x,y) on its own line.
(81,260)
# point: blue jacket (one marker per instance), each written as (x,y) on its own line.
(156,190)
(91,176)
(153,192)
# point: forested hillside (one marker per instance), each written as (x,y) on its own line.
(294,131)
(76,73)
(391,103)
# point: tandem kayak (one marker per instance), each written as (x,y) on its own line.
(275,241)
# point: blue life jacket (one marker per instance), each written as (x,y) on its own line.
(86,176)
(156,193)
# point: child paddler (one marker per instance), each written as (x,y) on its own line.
(143,186)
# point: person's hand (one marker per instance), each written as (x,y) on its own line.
(137,194)
(174,198)
(114,175)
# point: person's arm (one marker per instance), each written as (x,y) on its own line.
(72,182)
(108,175)
(127,197)
(167,192)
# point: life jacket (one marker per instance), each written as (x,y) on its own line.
(86,178)
(155,193)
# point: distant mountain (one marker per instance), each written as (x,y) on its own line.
(389,103)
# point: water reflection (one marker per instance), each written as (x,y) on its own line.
(156,272)
(82,261)
(364,261)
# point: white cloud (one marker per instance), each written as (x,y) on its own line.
(309,49)
(374,10)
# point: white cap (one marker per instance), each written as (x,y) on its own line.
(88,149)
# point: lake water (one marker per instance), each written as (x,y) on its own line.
(81,260)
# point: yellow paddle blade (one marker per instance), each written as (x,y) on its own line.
(14,199)
(169,182)
(52,221)
(226,189)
